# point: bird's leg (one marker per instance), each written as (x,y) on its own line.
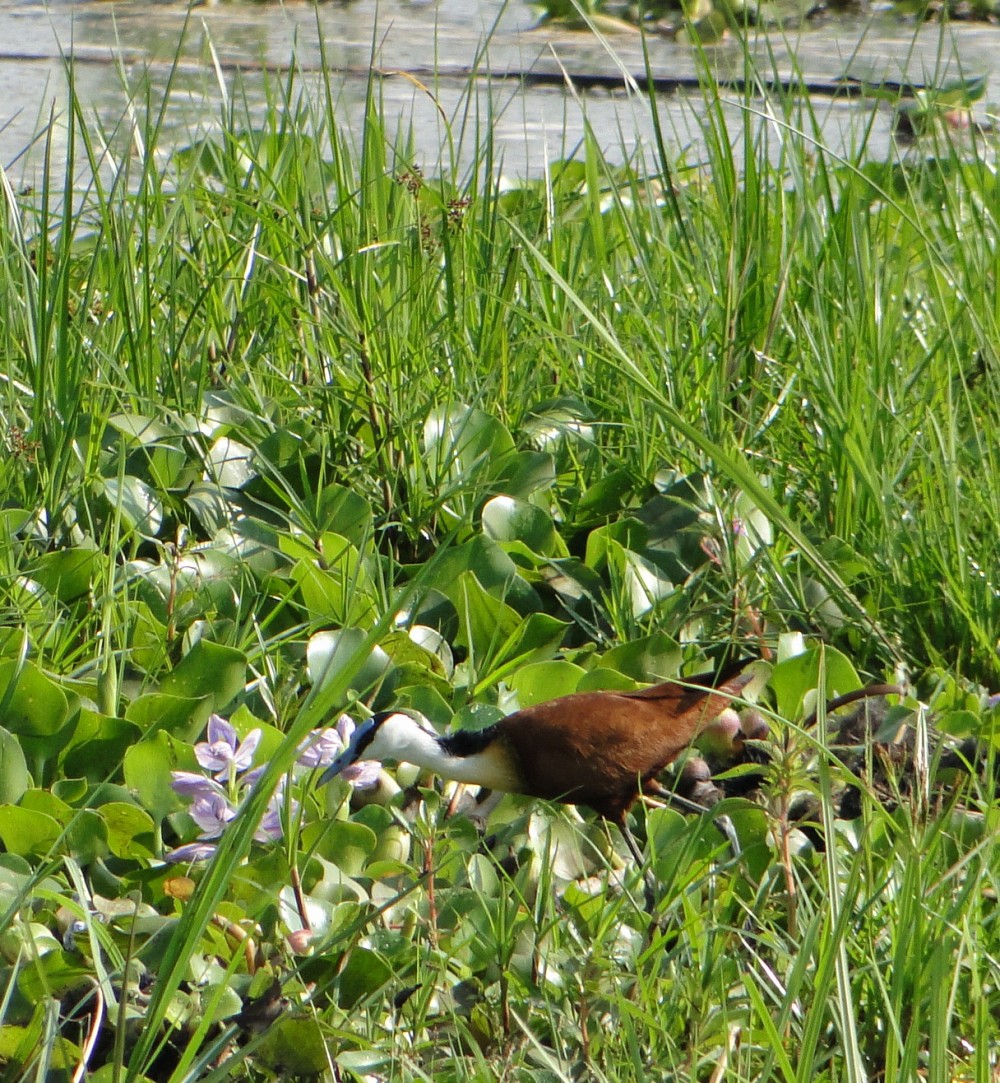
(682,804)
(649,892)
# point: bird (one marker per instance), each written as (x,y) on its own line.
(599,749)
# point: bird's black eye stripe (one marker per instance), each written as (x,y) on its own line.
(365,733)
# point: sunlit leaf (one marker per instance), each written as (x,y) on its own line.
(139,506)
(793,678)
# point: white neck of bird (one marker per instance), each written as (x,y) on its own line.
(402,738)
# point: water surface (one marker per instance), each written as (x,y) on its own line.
(238,44)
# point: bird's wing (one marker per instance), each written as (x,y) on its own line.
(731,679)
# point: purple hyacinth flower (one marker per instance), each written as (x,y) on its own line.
(322,747)
(189,784)
(223,752)
(211,813)
(193,851)
(271,827)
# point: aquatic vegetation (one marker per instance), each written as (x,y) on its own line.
(296,430)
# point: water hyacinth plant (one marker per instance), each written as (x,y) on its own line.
(216,798)
(303,436)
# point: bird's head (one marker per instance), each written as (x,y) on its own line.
(387,735)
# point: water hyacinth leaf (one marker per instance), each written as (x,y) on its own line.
(212,506)
(604,678)
(139,506)
(363,974)
(44,801)
(328,652)
(87,837)
(166,466)
(67,573)
(821,604)
(485,622)
(676,530)
(845,558)
(342,511)
(141,429)
(31,704)
(965,723)
(394,840)
(507,520)
(13,521)
(559,421)
(645,583)
(752,529)
(339,591)
(528,472)
(460,441)
(347,844)
(572,579)
(54,974)
(252,543)
(148,766)
(750,822)
(20,1046)
(606,496)
(98,741)
(183,716)
(793,678)
(414,666)
(31,936)
(295,1046)
(649,659)
(626,533)
(570,849)
(541,681)
(26,832)
(209,670)
(192,585)
(432,641)
(148,647)
(229,463)
(281,448)
(130,830)
(335,886)
(14,776)
(425,699)
(71,790)
(533,640)
(492,567)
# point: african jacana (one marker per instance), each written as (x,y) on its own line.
(598,749)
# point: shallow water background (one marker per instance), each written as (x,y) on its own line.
(119,45)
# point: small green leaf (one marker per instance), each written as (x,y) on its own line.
(179,715)
(363,974)
(328,652)
(87,836)
(541,681)
(25,832)
(67,573)
(295,1047)
(55,973)
(506,520)
(652,658)
(98,744)
(208,669)
(792,679)
(348,845)
(130,829)
(140,507)
(31,704)
(148,766)
(14,776)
